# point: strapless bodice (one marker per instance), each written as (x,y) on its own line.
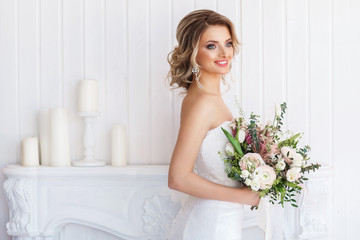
(209,219)
(208,164)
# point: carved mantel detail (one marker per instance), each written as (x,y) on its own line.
(315,210)
(19,197)
(159,213)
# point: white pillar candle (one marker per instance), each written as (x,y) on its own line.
(88,96)
(118,146)
(44,134)
(59,138)
(30,152)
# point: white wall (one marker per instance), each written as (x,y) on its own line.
(299,51)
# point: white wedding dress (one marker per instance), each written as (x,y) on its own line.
(205,219)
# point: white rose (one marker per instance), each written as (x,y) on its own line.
(248,182)
(245,174)
(280,165)
(297,161)
(292,153)
(298,156)
(296,169)
(229,149)
(284,151)
(257,172)
(241,135)
(277,110)
(255,184)
(267,177)
(293,174)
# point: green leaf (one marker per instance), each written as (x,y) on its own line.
(293,185)
(262,194)
(234,142)
(282,192)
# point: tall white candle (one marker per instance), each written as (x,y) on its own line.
(30,152)
(44,133)
(88,96)
(59,138)
(118,145)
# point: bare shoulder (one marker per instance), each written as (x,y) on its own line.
(198,111)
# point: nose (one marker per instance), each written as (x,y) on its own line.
(222,52)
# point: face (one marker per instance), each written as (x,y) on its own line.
(215,51)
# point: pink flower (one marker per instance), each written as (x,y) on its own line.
(248,139)
(233,132)
(262,149)
(250,161)
(273,151)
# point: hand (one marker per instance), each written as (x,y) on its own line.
(250,197)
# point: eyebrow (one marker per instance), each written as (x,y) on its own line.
(218,41)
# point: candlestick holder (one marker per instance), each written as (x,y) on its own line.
(89,142)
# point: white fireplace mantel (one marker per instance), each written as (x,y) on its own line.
(131,202)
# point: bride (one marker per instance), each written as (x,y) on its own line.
(206,45)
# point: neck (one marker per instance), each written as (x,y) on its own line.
(210,83)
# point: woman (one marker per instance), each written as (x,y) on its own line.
(206,46)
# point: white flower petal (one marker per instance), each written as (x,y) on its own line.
(241,135)
(229,149)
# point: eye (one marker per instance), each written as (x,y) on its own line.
(229,44)
(210,46)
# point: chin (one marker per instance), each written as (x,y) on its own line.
(224,72)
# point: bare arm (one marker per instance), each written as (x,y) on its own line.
(196,120)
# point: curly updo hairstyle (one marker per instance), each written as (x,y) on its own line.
(188,34)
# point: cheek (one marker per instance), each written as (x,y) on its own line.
(203,58)
(231,53)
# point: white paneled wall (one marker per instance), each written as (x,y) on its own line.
(304,52)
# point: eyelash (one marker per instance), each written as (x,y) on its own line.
(212,46)
(230,43)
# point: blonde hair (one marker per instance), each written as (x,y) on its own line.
(188,33)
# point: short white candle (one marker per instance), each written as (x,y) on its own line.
(88,96)
(118,146)
(59,138)
(30,152)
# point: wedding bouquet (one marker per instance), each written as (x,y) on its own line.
(266,159)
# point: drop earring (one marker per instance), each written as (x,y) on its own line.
(223,79)
(196,72)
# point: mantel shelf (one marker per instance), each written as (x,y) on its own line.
(129,170)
